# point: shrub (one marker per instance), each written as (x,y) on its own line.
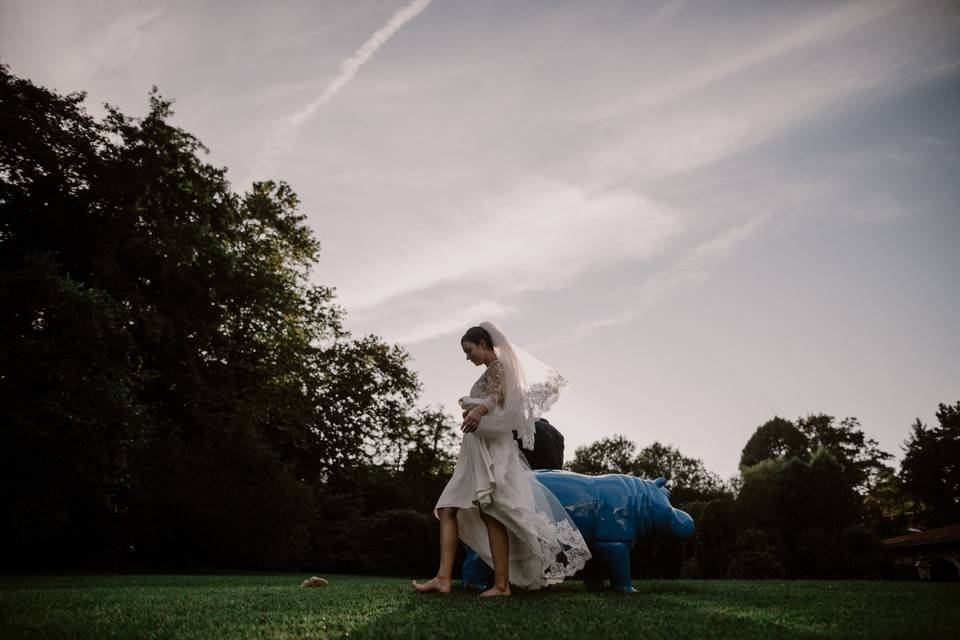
(863,555)
(818,553)
(748,565)
(399,542)
(716,531)
(690,570)
(752,540)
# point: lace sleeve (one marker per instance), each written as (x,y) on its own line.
(493,394)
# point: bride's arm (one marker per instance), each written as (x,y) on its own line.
(490,399)
(471,418)
(491,395)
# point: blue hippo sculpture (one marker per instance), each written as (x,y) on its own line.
(612,512)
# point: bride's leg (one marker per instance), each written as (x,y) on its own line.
(500,548)
(449,534)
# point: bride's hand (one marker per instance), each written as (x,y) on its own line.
(472,419)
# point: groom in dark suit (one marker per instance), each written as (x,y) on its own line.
(547,447)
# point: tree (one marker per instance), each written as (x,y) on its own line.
(930,469)
(170,377)
(863,463)
(776,438)
(70,372)
(787,497)
(886,506)
(861,458)
(833,502)
(430,443)
(689,478)
(758,501)
(716,530)
(614,454)
(71,417)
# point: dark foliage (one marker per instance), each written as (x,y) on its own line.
(717,527)
(173,388)
(776,438)
(863,555)
(930,469)
(688,478)
(755,565)
(860,457)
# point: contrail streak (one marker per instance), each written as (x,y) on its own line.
(281,138)
(350,66)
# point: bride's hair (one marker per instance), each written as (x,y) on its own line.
(475,335)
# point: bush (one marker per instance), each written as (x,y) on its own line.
(398,542)
(690,570)
(819,554)
(750,565)
(716,531)
(863,555)
(752,540)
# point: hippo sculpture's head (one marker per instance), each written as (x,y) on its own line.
(659,515)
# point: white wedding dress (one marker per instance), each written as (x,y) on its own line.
(491,474)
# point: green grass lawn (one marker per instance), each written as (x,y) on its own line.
(273,606)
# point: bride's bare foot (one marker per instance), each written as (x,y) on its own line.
(495,591)
(436,584)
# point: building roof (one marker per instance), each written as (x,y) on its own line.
(949,533)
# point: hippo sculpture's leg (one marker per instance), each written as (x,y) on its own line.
(475,572)
(614,557)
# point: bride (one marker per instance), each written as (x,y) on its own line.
(493,501)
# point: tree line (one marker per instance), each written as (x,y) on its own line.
(813,499)
(176,392)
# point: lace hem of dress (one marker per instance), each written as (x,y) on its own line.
(563,546)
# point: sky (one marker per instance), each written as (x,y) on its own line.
(702,214)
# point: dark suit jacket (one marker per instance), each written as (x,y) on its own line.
(547,447)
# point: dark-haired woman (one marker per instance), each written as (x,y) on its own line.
(493,501)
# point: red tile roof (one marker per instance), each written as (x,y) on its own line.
(949,533)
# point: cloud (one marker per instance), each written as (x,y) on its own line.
(694,268)
(553,216)
(284,131)
(540,236)
(431,323)
(551,224)
(717,103)
(811,33)
(111,48)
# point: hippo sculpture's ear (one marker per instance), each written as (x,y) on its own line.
(660,482)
